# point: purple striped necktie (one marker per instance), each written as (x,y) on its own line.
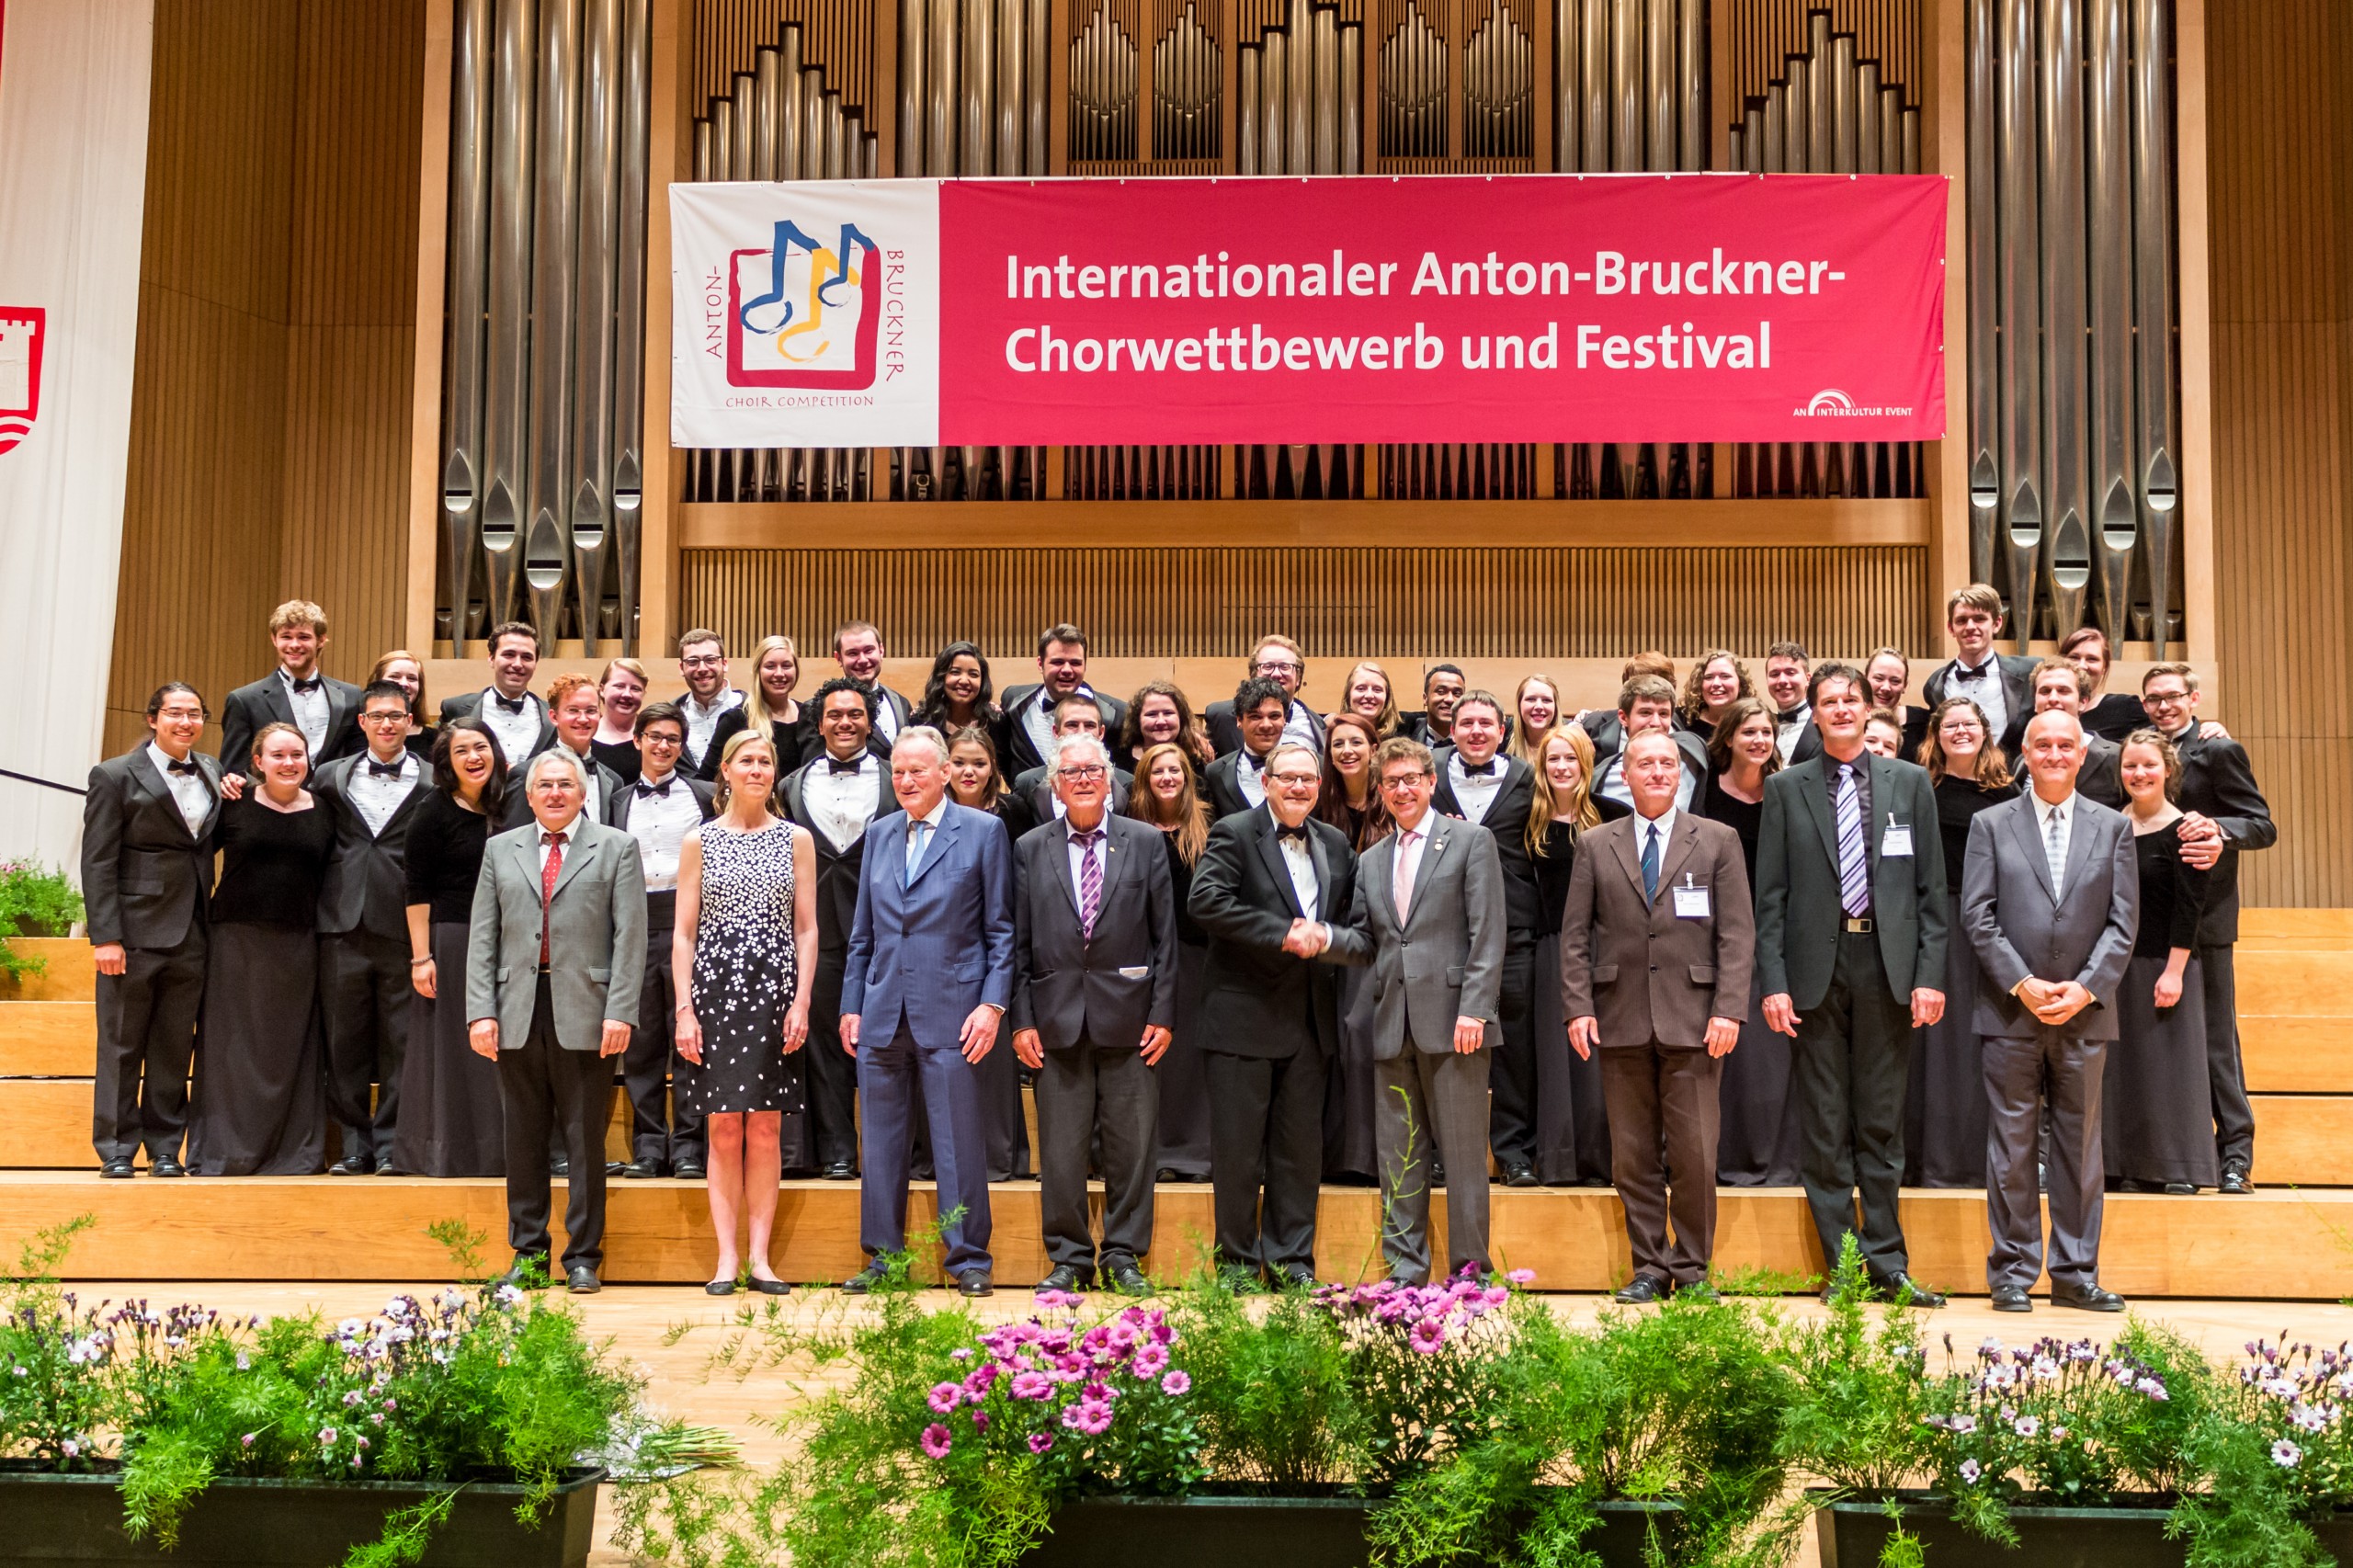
(1090,880)
(1854,869)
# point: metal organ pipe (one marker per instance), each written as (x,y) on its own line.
(558,139)
(507,390)
(2153,305)
(461,387)
(2069,554)
(628,318)
(2109,181)
(1983,241)
(2020,194)
(589,521)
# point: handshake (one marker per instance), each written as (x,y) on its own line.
(1306,938)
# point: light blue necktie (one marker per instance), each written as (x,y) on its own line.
(916,831)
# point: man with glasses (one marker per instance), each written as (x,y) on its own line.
(702,661)
(2224,812)
(658,808)
(1094,1002)
(576,708)
(1276,658)
(1274,892)
(1081,714)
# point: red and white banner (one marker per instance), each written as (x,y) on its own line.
(1504,308)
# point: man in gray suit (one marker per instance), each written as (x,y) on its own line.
(2050,898)
(1094,1002)
(1657,940)
(554,969)
(1431,897)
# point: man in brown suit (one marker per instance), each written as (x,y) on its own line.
(1656,942)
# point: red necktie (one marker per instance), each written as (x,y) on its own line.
(555,845)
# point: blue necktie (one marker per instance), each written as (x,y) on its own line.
(915,832)
(1650,864)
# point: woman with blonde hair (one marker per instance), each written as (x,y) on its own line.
(1572,1132)
(1536,713)
(620,690)
(1718,679)
(1368,694)
(776,670)
(1168,795)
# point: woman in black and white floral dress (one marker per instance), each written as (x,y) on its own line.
(747,909)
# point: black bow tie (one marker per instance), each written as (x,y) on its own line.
(188,766)
(385,769)
(1477,769)
(653,792)
(1299,833)
(1255,763)
(1962,672)
(835,764)
(307,686)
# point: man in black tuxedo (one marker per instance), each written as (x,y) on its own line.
(2062,687)
(1850,948)
(1788,670)
(658,810)
(517,719)
(1442,687)
(1478,783)
(146,872)
(835,796)
(324,709)
(1889,675)
(1276,658)
(1273,892)
(2225,813)
(1236,779)
(1081,714)
(1094,1002)
(1027,731)
(574,709)
(2002,684)
(702,664)
(857,649)
(363,925)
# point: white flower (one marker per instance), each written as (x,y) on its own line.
(1970,1470)
(2286,1455)
(2026,1425)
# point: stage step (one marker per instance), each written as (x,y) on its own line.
(49,1039)
(71,976)
(2295,927)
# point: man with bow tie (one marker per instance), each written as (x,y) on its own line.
(1274,892)
(658,811)
(147,824)
(574,709)
(2002,684)
(1236,782)
(325,710)
(516,720)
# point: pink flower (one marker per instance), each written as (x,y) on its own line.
(1522,1277)
(1428,1336)
(1176,1384)
(945,1398)
(1149,1362)
(936,1441)
(1091,1416)
(1033,1385)
(1039,1442)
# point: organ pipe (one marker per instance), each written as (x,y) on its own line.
(2109,184)
(1983,241)
(2153,305)
(557,140)
(589,518)
(2019,187)
(462,386)
(507,390)
(628,321)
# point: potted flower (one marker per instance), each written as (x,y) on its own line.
(34,902)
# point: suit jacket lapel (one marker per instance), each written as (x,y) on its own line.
(142,769)
(1678,849)
(576,854)
(1440,830)
(1815,791)
(1270,850)
(274,697)
(2079,842)
(2026,828)
(339,708)
(1628,845)
(1060,849)
(934,848)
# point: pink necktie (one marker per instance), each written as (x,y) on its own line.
(1405,842)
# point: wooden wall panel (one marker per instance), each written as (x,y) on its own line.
(2280,158)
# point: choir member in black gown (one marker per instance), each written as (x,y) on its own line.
(958,694)
(1572,1129)
(1945,1109)
(621,691)
(1161,714)
(776,671)
(406,671)
(2113,715)
(451,1121)
(2157,1123)
(1349,802)
(1718,679)
(1167,797)
(1759,1143)
(975,780)
(260,1107)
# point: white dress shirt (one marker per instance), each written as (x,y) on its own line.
(310,709)
(375,797)
(1038,723)
(1789,726)
(701,721)
(1301,860)
(2055,856)
(1250,777)
(1475,792)
(842,803)
(659,824)
(1405,870)
(563,836)
(189,792)
(886,716)
(517,734)
(1982,684)
(1299,730)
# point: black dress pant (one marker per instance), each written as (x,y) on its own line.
(833,1071)
(551,1093)
(662,1129)
(1512,1108)
(1267,1157)
(146,1040)
(364,990)
(1854,1054)
(1083,1091)
(2225,1073)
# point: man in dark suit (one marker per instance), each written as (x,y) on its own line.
(929,978)
(1276,658)
(1028,727)
(1605,727)
(1850,948)
(1081,714)
(574,709)
(702,664)
(2049,899)
(363,926)
(1094,1002)
(1273,892)
(2061,687)
(147,824)
(857,648)
(1646,706)
(1442,687)
(1479,784)
(2226,814)
(2002,684)
(1657,940)
(1236,779)
(658,810)
(1890,674)
(517,719)
(1430,900)
(836,796)
(1788,670)
(324,709)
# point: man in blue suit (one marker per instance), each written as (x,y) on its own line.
(930,973)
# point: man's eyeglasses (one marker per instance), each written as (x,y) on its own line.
(1084,775)
(702,661)
(1295,780)
(1398,782)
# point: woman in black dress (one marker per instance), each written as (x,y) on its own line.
(1572,1130)
(1759,1143)
(958,694)
(973,780)
(1166,796)
(451,1123)
(1348,800)
(259,1106)
(1351,1100)
(776,671)
(1161,714)
(1718,679)
(1945,1112)
(620,693)
(748,910)
(2157,1129)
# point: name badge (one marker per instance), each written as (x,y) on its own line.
(1690,903)
(1133,971)
(1896,843)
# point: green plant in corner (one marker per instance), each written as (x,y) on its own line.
(33,903)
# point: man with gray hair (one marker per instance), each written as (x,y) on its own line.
(929,977)
(1094,1002)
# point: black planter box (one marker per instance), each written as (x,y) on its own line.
(49,1520)
(1246,1531)
(2130,1534)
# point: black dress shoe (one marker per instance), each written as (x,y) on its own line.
(353,1165)
(865,1280)
(1437,1177)
(1061,1276)
(165,1165)
(1905,1291)
(721,1287)
(560,1166)
(615,1167)
(2085,1298)
(2181,1190)
(582,1281)
(525,1274)
(770,1287)
(1518,1172)
(119,1168)
(688,1170)
(840,1170)
(976,1282)
(1642,1290)
(1128,1279)
(1236,1280)
(1295,1276)
(2234,1180)
(1164,1174)
(2011,1299)
(642,1170)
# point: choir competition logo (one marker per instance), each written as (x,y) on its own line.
(803,313)
(20,340)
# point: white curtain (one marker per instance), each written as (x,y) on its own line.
(73,81)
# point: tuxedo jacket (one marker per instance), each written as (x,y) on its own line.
(2217,779)
(1221,784)
(2019,926)
(1638,966)
(144,876)
(927,949)
(1105,988)
(596,930)
(2018,692)
(1444,959)
(1225,732)
(465,704)
(704,794)
(264,702)
(1257,1000)
(367,882)
(1035,790)
(837,869)
(1798,908)
(1016,750)
(1506,818)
